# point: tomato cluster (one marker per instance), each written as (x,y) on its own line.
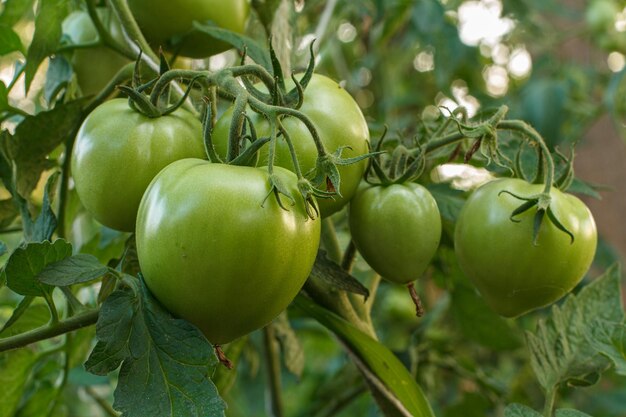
(228,247)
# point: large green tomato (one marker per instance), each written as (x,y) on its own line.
(94,67)
(498,255)
(339,122)
(165,22)
(117,153)
(219,255)
(396,228)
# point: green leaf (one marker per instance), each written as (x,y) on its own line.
(519,410)
(41,402)
(256,51)
(4,97)
(17,313)
(8,213)
(565,412)
(293,353)
(46,222)
(165,362)
(59,74)
(9,41)
(560,348)
(333,274)
(479,323)
(614,100)
(16,367)
(27,262)
(36,137)
(377,362)
(3,248)
(14,10)
(449,201)
(611,342)
(47,36)
(73,270)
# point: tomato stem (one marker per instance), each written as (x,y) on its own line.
(419,308)
(273,367)
(70,324)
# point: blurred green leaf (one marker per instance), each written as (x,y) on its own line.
(560,348)
(36,137)
(569,413)
(9,41)
(47,35)
(479,323)
(14,10)
(374,358)
(519,410)
(16,366)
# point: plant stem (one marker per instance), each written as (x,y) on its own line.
(272,360)
(330,241)
(76,322)
(104,405)
(549,404)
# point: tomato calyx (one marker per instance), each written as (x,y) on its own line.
(542,202)
(402,166)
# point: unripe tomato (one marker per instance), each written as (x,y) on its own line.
(94,67)
(498,255)
(396,228)
(215,252)
(117,153)
(339,122)
(165,22)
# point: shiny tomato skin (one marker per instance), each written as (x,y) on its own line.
(396,228)
(497,254)
(117,153)
(162,21)
(339,122)
(94,67)
(214,253)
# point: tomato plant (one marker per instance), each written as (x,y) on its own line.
(219,248)
(339,122)
(117,153)
(215,250)
(94,66)
(396,228)
(496,250)
(166,23)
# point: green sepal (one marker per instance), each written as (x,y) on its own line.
(277,188)
(559,225)
(140,102)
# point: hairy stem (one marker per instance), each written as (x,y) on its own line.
(87,318)
(272,359)
(549,404)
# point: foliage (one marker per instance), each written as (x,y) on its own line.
(81,333)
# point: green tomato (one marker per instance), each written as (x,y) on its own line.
(339,122)
(167,23)
(396,228)
(216,252)
(117,153)
(94,67)
(514,275)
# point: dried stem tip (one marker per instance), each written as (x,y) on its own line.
(419,308)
